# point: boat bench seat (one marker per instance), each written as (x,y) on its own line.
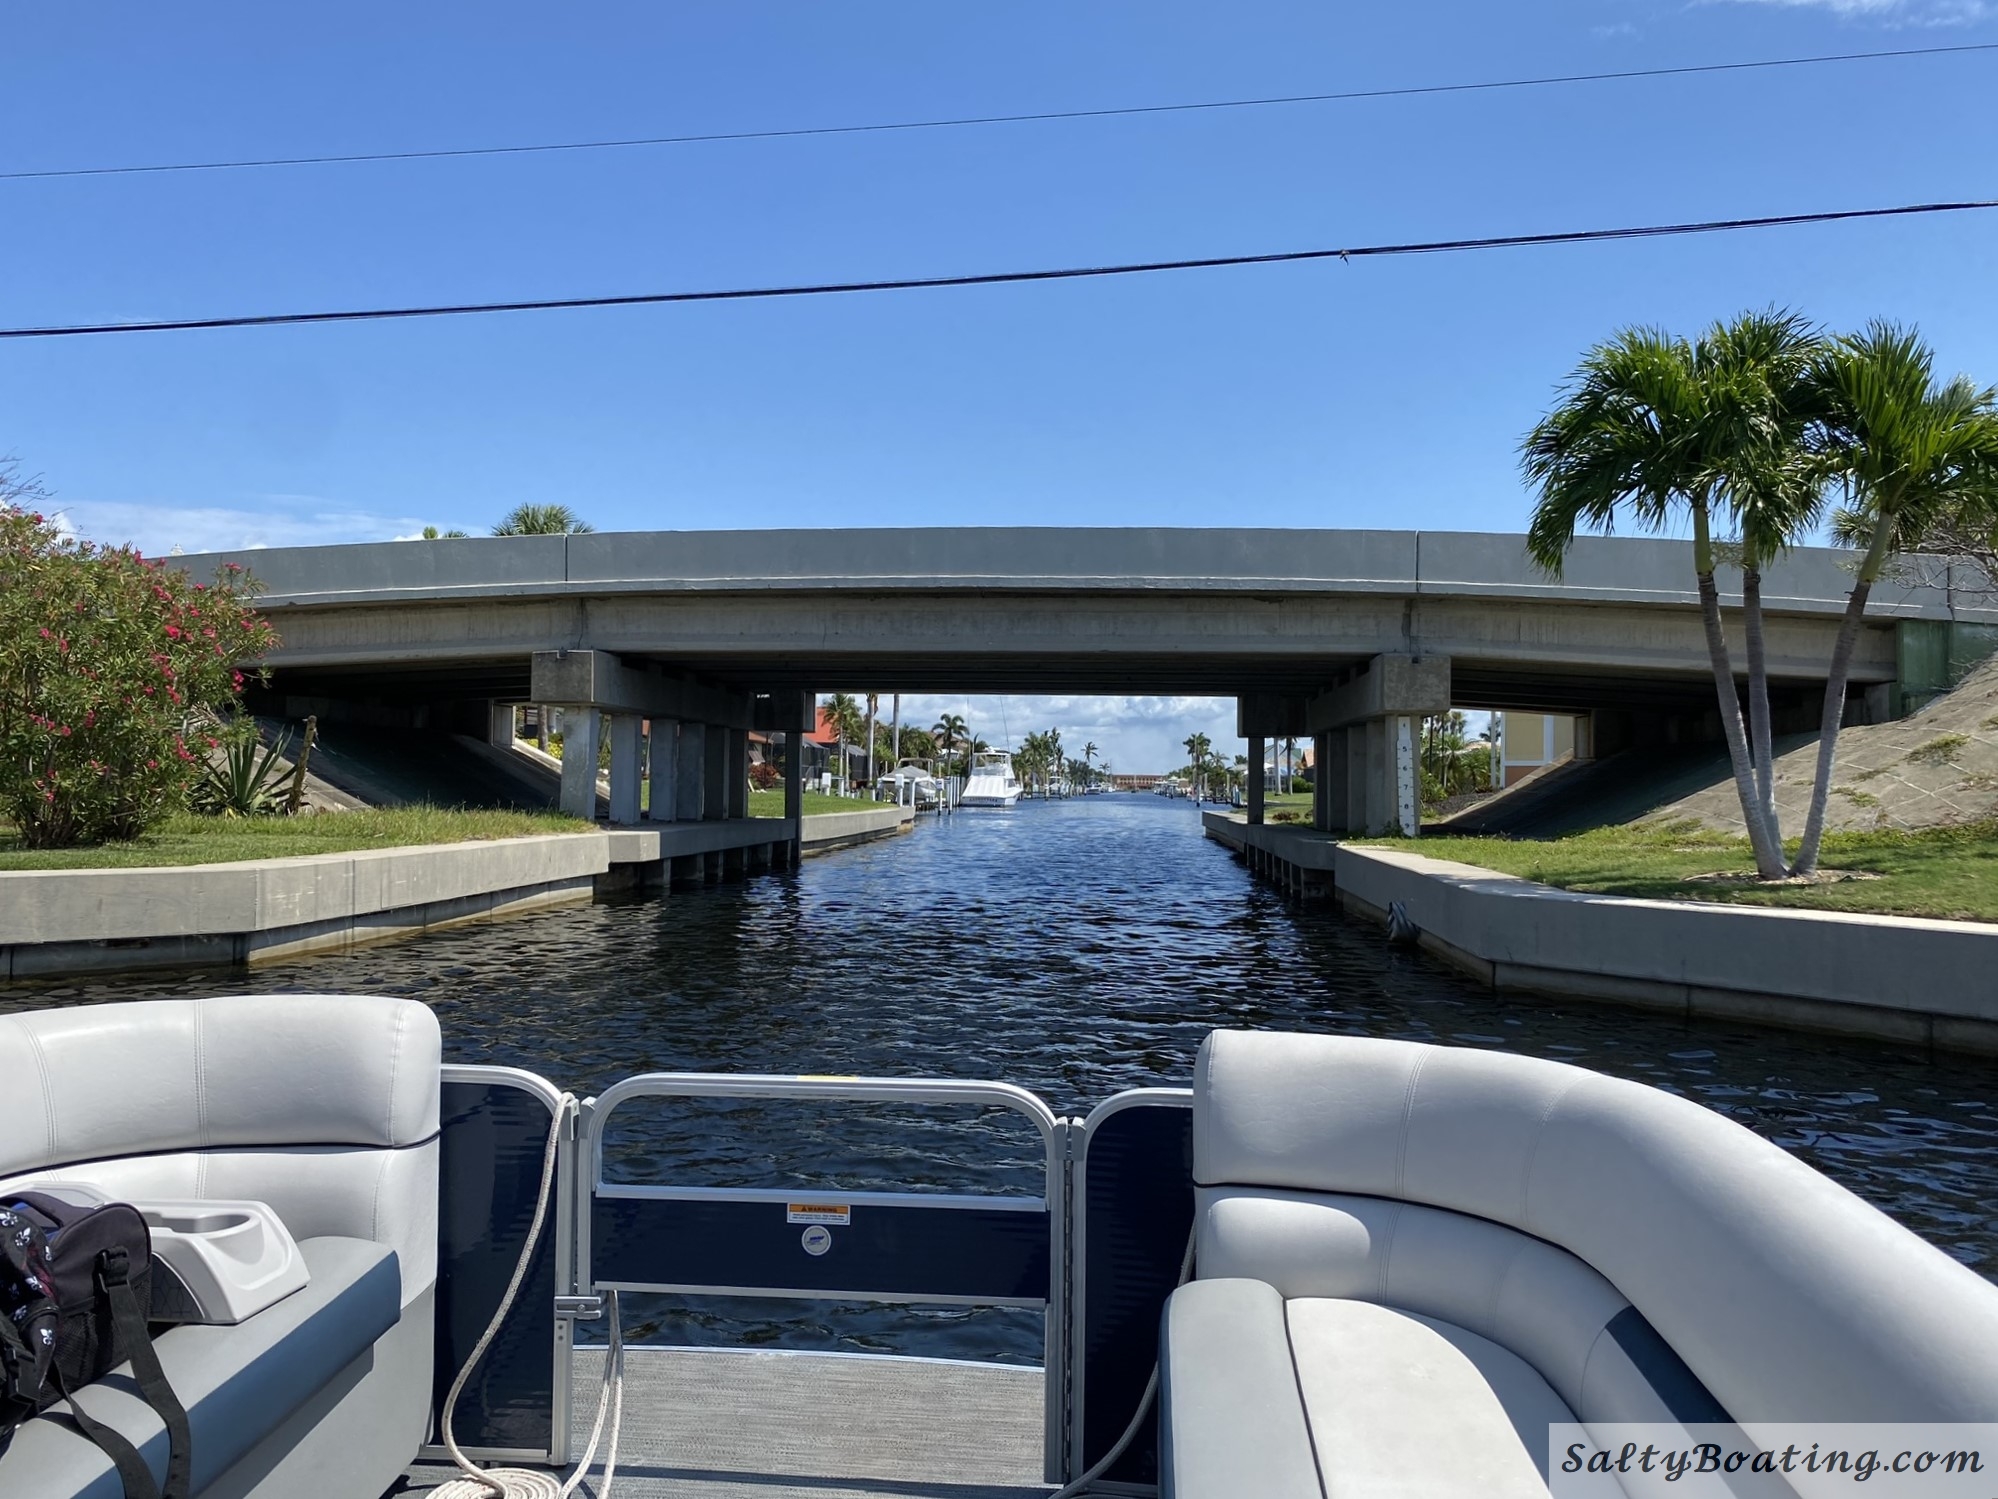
(322,1107)
(1414,1260)
(240,1384)
(1313,1396)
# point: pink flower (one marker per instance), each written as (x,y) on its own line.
(172,632)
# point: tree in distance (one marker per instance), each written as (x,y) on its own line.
(542,520)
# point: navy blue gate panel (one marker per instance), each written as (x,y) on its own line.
(489,1172)
(1136,1211)
(985,1254)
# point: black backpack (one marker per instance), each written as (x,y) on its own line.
(73,1285)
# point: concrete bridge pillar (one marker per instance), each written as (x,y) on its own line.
(738,772)
(499,729)
(582,735)
(1371,723)
(1255,778)
(665,759)
(691,773)
(714,786)
(626,763)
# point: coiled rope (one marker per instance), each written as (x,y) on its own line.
(532,1483)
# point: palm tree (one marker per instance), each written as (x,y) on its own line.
(1197,747)
(873,708)
(431,533)
(1089,764)
(1910,454)
(541,520)
(1652,427)
(948,732)
(843,718)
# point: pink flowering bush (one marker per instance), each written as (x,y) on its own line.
(111,669)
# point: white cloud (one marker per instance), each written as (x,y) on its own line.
(1895,12)
(280,521)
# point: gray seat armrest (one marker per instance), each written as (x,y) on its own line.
(1231,1421)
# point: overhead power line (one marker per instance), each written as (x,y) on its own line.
(999,278)
(882,127)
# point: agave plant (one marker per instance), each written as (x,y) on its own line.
(247,780)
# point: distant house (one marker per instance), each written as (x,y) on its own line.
(1530,741)
(820,747)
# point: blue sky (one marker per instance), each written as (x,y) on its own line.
(1377,393)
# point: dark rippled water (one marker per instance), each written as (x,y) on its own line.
(1076,949)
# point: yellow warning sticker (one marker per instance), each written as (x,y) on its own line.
(818,1212)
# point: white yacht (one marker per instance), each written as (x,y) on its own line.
(992,782)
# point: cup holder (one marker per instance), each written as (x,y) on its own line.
(219,1262)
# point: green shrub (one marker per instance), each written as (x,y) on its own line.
(109,664)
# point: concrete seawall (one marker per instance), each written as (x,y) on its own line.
(67,921)
(1923,983)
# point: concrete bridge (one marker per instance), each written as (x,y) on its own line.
(1344,636)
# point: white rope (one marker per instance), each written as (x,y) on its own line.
(1108,1460)
(531,1483)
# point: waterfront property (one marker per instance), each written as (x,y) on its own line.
(1913,981)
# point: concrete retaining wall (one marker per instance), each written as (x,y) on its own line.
(86,920)
(1926,983)
(100,920)
(827,831)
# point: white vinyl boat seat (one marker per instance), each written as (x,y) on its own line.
(240,1384)
(323,1107)
(1412,1260)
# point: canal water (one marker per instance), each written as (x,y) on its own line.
(1075,948)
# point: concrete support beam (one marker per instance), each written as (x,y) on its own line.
(794,794)
(1270,715)
(714,785)
(1255,778)
(626,761)
(1328,781)
(665,764)
(582,733)
(1390,684)
(738,773)
(691,773)
(602,678)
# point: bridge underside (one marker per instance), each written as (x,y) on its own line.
(1354,671)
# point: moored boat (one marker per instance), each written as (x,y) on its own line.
(991,782)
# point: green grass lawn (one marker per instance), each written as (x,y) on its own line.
(771,803)
(188,839)
(1942,872)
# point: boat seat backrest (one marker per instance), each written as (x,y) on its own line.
(323,1106)
(1786,1296)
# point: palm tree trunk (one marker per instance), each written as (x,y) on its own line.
(1761,741)
(1768,856)
(1835,681)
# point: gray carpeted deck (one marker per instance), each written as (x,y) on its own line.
(750,1425)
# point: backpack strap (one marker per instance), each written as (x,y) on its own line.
(132,1470)
(114,1279)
